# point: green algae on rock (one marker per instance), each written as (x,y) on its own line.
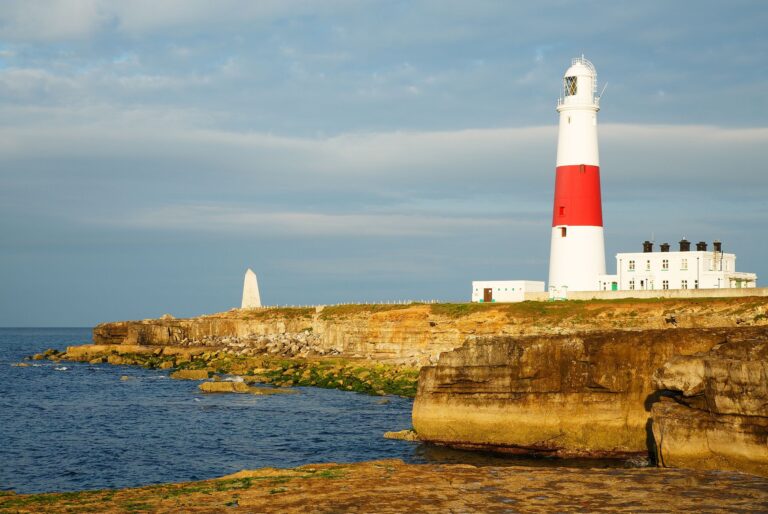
(358,375)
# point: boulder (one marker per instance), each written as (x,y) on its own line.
(224,387)
(403,435)
(190,374)
(239,387)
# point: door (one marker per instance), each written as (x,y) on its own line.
(614,286)
(488,294)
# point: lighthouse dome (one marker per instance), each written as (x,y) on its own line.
(581,67)
(579,84)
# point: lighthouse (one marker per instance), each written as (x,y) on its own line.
(577,251)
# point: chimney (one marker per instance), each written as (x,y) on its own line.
(664,247)
(685,245)
(701,246)
(718,246)
(647,247)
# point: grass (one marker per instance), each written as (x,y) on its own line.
(457,310)
(340,311)
(278,312)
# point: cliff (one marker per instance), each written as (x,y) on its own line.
(416,334)
(718,418)
(692,397)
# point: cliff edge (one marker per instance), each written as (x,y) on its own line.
(416,334)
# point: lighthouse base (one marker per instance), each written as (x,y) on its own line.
(576,258)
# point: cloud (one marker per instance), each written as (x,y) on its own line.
(185,134)
(253,221)
(73,19)
(50,19)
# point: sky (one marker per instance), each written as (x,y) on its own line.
(354,150)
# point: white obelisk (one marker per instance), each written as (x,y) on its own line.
(251,297)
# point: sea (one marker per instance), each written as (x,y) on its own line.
(67,426)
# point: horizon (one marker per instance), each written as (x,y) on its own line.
(352,152)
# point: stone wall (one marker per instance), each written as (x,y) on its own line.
(656,293)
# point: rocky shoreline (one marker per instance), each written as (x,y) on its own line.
(392,486)
(223,367)
(681,382)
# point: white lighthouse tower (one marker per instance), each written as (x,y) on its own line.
(577,254)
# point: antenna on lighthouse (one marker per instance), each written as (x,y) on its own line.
(603,91)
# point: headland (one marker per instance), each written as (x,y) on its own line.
(679,382)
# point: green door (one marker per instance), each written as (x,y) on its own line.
(614,286)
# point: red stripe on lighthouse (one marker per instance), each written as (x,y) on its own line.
(577,196)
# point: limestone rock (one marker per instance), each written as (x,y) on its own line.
(403,435)
(719,416)
(190,374)
(692,438)
(683,373)
(393,486)
(251,297)
(224,387)
(732,378)
(239,387)
(586,394)
(419,333)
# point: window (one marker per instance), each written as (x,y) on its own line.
(665,264)
(695,284)
(631,265)
(683,284)
(562,231)
(684,264)
(562,211)
(570,86)
(647,265)
(665,284)
(632,285)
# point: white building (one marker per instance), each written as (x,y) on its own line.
(683,269)
(504,290)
